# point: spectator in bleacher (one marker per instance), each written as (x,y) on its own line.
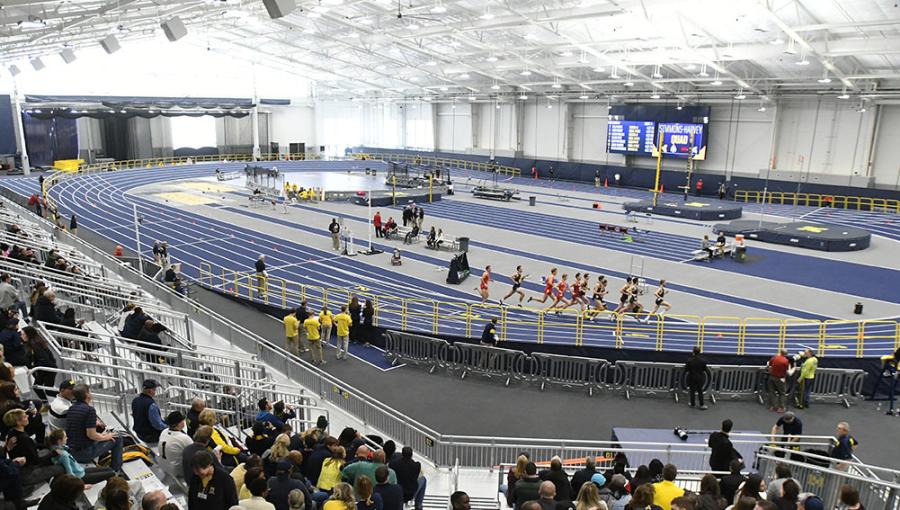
(342,498)
(722,451)
(656,470)
(321,452)
(753,487)
(14,351)
(619,495)
(687,502)
(149,334)
(65,491)
(193,415)
(365,495)
(695,369)
(528,487)
(641,476)
(10,399)
(559,478)
(581,476)
(239,474)
(515,474)
(45,308)
(37,468)
(329,474)
(265,415)
(459,500)
(56,442)
(153,500)
(547,500)
(172,442)
(88,439)
(210,487)
(134,323)
(666,490)
(782,474)
(410,477)
(11,485)
(390,451)
(253,473)
(391,493)
(292,333)
(276,453)
(732,481)
(232,455)
(710,495)
(7,371)
(788,495)
(68,320)
(283,412)
(258,490)
(148,422)
(776,383)
(588,497)
(9,296)
(60,405)
(122,316)
(811,502)
(643,498)
(73,226)
(260,438)
(282,484)
(39,355)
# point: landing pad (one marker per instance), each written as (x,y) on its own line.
(815,236)
(693,209)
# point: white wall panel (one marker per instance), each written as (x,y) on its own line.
(454,127)
(886,160)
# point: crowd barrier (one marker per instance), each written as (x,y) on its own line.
(643,378)
(819,200)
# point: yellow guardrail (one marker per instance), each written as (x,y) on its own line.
(417,159)
(819,200)
(728,334)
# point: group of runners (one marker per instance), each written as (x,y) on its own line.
(562,295)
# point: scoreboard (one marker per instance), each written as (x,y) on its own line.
(683,140)
(630,137)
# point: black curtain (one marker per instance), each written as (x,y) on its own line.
(116,138)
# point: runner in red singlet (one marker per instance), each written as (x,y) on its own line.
(482,289)
(548,287)
(560,294)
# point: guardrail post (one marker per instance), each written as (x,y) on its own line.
(237,370)
(189,330)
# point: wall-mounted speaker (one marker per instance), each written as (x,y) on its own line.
(174,29)
(67,55)
(110,44)
(14,70)
(279,8)
(37,63)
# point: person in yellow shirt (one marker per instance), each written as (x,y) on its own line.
(292,333)
(326,319)
(666,490)
(311,325)
(343,321)
(341,498)
(331,469)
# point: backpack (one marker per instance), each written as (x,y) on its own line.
(130,451)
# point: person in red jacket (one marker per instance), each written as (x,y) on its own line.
(699,186)
(377,223)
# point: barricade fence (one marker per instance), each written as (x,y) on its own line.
(643,378)
(376,417)
(718,335)
(819,200)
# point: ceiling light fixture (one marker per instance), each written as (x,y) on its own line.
(495,86)
(566,53)
(657,71)
(628,84)
(844,94)
(487,15)
(491,58)
(557,85)
(703,73)
(526,72)
(431,63)
(741,96)
(761,109)
(690,67)
(472,98)
(790,50)
(412,26)
(582,97)
(654,96)
(438,8)
(444,89)
(523,97)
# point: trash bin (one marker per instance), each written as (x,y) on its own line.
(464,244)
(532,200)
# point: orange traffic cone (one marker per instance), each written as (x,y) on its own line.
(606,182)
(662,188)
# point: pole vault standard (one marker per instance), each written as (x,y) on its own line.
(658,168)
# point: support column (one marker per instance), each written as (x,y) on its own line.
(404,111)
(520,128)
(475,118)
(20,128)
(254,125)
(435,129)
(570,128)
